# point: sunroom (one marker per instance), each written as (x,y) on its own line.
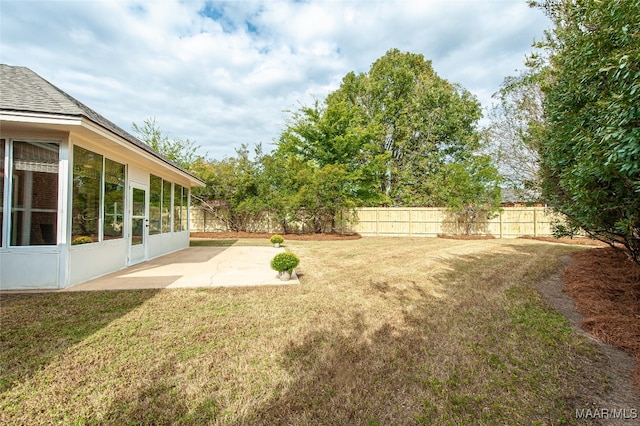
(80,197)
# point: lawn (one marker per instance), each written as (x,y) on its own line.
(380,331)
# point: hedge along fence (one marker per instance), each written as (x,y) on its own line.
(202,220)
(510,222)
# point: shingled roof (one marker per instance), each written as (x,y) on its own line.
(22,90)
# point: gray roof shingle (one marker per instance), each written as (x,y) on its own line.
(22,90)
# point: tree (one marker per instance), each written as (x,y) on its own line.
(424,122)
(336,133)
(232,193)
(590,155)
(393,131)
(302,195)
(183,152)
(324,198)
(515,131)
(470,189)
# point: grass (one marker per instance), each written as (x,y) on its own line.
(212,243)
(381,331)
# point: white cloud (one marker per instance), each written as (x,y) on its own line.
(223,73)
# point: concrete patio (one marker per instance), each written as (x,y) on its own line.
(196,267)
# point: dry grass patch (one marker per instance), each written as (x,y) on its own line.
(381,331)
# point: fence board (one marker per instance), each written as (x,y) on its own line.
(510,222)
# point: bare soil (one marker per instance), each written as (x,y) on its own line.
(466,237)
(579,241)
(598,291)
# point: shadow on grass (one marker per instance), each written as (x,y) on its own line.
(212,243)
(343,375)
(490,354)
(37,328)
(155,401)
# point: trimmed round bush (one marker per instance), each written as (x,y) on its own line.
(276,239)
(285,262)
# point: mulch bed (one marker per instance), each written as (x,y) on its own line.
(466,237)
(580,241)
(605,284)
(266,236)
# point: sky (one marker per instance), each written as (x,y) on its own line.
(226,73)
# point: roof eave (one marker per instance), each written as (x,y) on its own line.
(40,118)
(148,154)
(88,124)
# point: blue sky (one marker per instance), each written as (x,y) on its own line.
(226,73)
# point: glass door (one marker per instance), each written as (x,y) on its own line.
(139,225)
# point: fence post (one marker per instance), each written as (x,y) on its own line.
(501,212)
(535,221)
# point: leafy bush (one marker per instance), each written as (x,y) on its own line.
(564,229)
(285,262)
(81,240)
(276,239)
(590,156)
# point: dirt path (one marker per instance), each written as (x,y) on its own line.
(619,366)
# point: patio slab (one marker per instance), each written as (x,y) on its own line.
(196,267)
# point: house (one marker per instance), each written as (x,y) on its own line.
(520,197)
(79,197)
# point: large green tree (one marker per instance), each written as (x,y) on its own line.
(336,133)
(394,131)
(423,121)
(590,156)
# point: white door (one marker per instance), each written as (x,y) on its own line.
(139,227)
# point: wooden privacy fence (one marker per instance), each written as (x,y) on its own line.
(510,222)
(202,220)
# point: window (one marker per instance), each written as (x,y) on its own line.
(137,216)
(113,199)
(98,193)
(155,205)
(87,189)
(166,206)
(177,207)
(185,209)
(34,193)
(1,189)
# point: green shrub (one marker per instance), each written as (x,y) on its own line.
(81,240)
(276,239)
(285,262)
(564,229)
